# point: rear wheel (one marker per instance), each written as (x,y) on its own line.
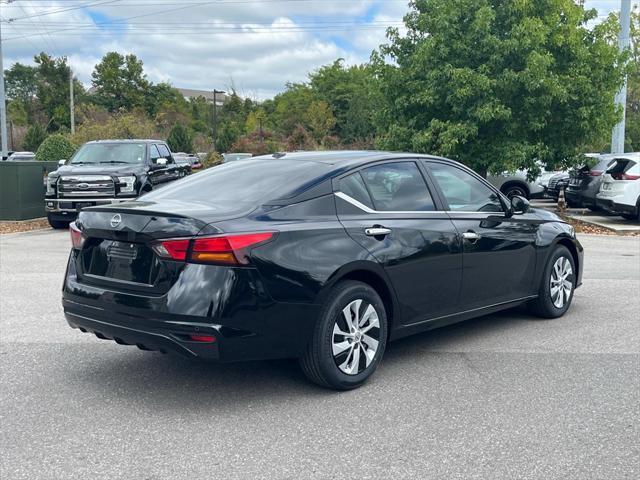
(349,338)
(57,224)
(558,284)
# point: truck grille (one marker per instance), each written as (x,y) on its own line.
(553,183)
(86,186)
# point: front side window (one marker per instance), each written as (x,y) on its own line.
(397,186)
(463,192)
(153,153)
(164,151)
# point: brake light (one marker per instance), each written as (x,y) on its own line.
(77,237)
(596,173)
(222,250)
(202,338)
(624,176)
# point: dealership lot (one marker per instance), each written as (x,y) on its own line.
(504,396)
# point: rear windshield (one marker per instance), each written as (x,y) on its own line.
(95,153)
(250,181)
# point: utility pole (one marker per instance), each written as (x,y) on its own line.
(617,136)
(3,104)
(71,105)
(215,118)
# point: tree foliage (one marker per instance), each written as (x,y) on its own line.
(34,137)
(498,85)
(119,82)
(55,147)
(180,139)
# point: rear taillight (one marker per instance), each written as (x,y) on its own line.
(596,173)
(624,176)
(222,250)
(77,237)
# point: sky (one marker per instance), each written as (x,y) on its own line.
(254,46)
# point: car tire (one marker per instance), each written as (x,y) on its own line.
(344,362)
(514,190)
(555,295)
(58,224)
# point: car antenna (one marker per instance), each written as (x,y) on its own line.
(279,154)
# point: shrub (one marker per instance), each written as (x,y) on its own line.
(34,137)
(55,147)
(179,139)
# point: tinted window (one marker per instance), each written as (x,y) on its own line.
(463,191)
(246,182)
(397,187)
(153,152)
(353,185)
(164,151)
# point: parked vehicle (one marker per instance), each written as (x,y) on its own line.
(107,171)
(192,159)
(516,183)
(557,183)
(620,189)
(233,157)
(21,157)
(354,249)
(584,183)
(184,162)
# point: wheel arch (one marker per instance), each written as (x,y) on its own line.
(373,275)
(515,183)
(570,245)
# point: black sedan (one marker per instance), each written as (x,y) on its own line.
(324,257)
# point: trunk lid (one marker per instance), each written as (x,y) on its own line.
(117,251)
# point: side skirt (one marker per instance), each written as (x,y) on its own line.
(432,323)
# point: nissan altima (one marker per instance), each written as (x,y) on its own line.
(320,256)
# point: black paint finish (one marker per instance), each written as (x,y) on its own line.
(425,271)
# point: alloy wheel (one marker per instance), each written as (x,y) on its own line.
(355,338)
(561,282)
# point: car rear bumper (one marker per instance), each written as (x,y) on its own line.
(233,306)
(614,207)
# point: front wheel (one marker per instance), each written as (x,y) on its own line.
(558,284)
(57,224)
(349,339)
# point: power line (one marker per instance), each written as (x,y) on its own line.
(51,12)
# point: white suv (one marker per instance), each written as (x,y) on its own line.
(620,189)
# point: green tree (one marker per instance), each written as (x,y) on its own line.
(291,106)
(119,82)
(55,147)
(498,84)
(180,139)
(53,89)
(320,119)
(21,83)
(34,137)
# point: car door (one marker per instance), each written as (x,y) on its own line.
(158,172)
(499,249)
(173,170)
(389,210)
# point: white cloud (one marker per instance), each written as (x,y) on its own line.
(275,47)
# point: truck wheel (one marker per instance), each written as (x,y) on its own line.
(57,224)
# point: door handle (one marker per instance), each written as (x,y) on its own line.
(377,231)
(470,236)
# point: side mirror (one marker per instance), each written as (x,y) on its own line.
(519,205)
(161,161)
(62,163)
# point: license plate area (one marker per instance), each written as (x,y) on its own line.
(120,261)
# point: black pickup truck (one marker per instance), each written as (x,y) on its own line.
(108,171)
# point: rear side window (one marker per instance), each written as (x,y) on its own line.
(164,151)
(397,186)
(353,185)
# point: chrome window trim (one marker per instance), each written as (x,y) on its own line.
(366,209)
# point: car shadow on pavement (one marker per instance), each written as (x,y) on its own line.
(166,381)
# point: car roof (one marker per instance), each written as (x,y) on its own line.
(127,140)
(345,158)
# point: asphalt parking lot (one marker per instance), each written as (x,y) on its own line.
(501,397)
